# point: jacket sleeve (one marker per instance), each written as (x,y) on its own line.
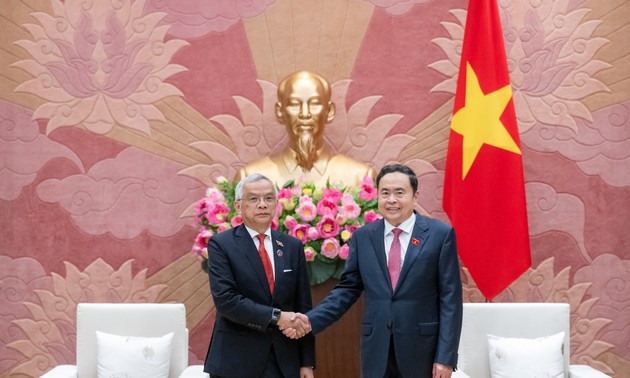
(342,296)
(450,291)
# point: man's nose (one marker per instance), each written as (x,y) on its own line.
(262,203)
(304,111)
(392,198)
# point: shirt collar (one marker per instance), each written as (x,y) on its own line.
(253,233)
(406,226)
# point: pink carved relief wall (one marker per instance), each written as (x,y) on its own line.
(116,115)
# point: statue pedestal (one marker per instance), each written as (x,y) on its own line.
(338,346)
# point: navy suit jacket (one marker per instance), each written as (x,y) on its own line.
(423,315)
(242,337)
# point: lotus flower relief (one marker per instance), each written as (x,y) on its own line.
(99,64)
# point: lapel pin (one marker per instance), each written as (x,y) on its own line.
(279,243)
(279,253)
(415,241)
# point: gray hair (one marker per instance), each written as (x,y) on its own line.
(238,191)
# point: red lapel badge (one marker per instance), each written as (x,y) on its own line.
(279,243)
(415,241)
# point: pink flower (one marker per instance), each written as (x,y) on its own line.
(285,193)
(333,195)
(340,219)
(305,198)
(370,216)
(309,253)
(326,207)
(203,205)
(223,226)
(237,220)
(330,248)
(274,223)
(306,211)
(352,227)
(214,195)
(368,191)
(327,227)
(350,210)
(344,251)
(301,232)
(290,222)
(296,191)
(201,243)
(313,234)
(218,213)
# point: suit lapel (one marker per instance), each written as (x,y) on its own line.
(378,241)
(419,237)
(247,246)
(280,259)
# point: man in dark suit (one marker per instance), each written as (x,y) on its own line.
(258,277)
(408,268)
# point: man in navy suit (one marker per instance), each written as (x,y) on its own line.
(258,277)
(407,266)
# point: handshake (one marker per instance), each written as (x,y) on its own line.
(294,324)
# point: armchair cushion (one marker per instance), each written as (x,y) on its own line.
(524,358)
(132,356)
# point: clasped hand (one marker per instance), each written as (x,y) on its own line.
(294,324)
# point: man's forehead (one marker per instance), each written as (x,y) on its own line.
(394,186)
(393,181)
(258,187)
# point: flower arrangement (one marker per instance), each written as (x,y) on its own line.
(322,218)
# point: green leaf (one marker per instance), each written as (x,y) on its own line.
(324,259)
(320,272)
(288,184)
(204,265)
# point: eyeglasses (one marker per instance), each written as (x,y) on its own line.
(255,200)
(398,194)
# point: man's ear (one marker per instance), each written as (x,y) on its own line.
(237,206)
(278,108)
(331,112)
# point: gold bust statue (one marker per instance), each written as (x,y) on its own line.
(304,106)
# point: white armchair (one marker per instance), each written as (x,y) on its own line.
(513,320)
(128,319)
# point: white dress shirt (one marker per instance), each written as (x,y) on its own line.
(268,246)
(405,236)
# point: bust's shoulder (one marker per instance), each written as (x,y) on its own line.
(339,160)
(267,166)
(261,164)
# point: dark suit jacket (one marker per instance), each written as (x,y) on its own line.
(242,338)
(424,314)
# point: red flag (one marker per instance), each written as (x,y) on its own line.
(484,190)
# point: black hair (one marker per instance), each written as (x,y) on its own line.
(391,168)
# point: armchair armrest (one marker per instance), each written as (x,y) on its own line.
(194,371)
(585,371)
(459,374)
(62,371)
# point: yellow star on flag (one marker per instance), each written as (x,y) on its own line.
(479,120)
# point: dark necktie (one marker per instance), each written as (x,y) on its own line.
(393,262)
(265,260)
